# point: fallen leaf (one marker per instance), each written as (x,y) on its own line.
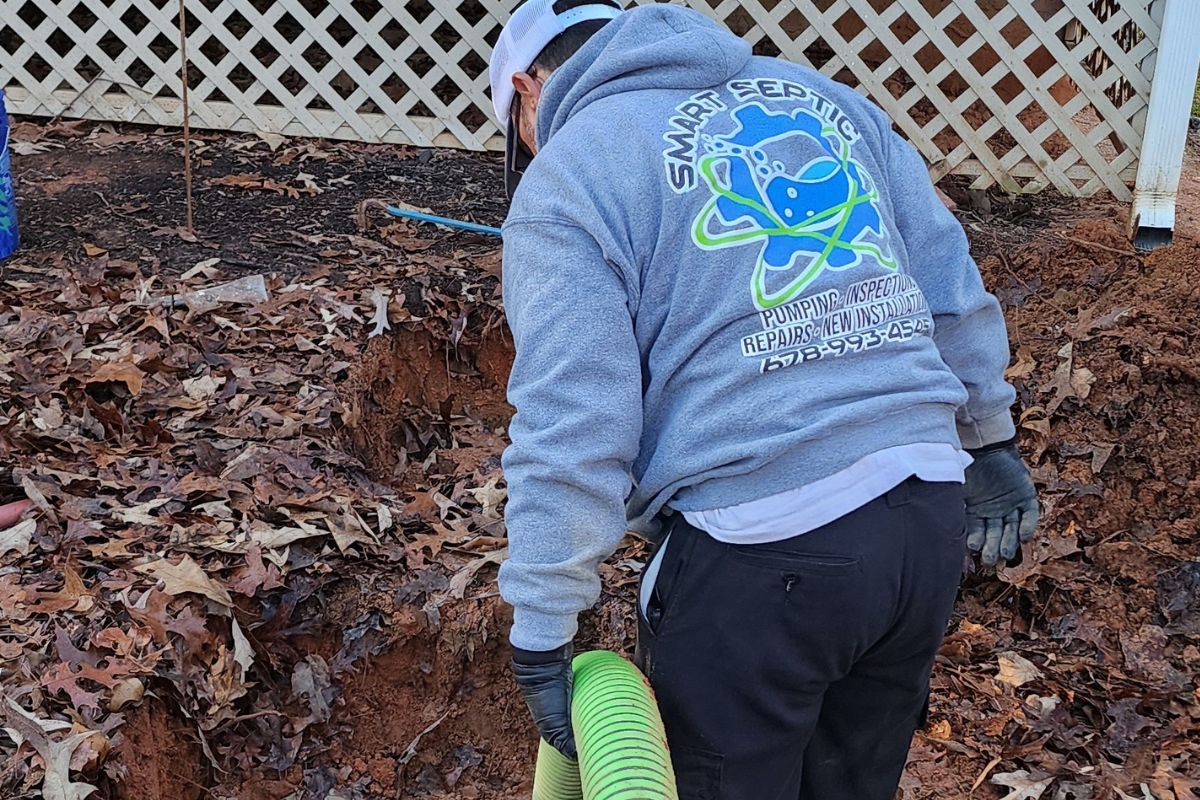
(273,140)
(309,182)
(1016,670)
(243,653)
(125,372)
(1025,364)
(190,625)
(462,579)
(1089,323)
(422,506)
(39,499)
(310,682)
(1185,788)
(1023,786)
(255,575)
(1044,556)
(68,652)
(244,180)
(940,730)
(273,537)
(62,678)
(140,514)
(348,528)
(202,388)
(490,496)
(384,516)
(1061,383)
(57,783)
(1101,452)
(1145,652)
(31,148)
(1081,382)
(93,251)
(186,577)
(380,318)
(204,268)
(90,752)
(127,692)
(19,537)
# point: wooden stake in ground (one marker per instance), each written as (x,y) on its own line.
(187,140)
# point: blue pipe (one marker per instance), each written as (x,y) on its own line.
(452,223)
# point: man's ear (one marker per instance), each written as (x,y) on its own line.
(528,86)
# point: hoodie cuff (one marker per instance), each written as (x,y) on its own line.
(539,631)
(982,432)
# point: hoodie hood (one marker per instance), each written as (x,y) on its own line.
(656,46)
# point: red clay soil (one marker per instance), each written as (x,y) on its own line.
(160,757)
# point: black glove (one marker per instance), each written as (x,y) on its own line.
(547,681)
(1002,504)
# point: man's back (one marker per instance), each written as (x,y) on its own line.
(747,210)
(741,310)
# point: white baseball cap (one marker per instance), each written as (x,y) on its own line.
(527,32)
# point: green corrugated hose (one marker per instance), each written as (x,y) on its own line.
(622,748)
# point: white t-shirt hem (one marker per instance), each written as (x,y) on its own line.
(798,511)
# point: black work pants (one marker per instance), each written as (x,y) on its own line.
(799,670)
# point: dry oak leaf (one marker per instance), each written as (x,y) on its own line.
(1044,556)
(184,577)
(245,180)
(19,537)
(61,678)
(490,496)
(243,652)
(1025,364)
(255,575)
(124,372)
(57,784)
(1067,381)
(1016,670)
(126,692)
(1022,784)
(462,579)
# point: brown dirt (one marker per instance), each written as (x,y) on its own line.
(413,373)
(1187,210)
(124,193)
(479,717)
(160,757)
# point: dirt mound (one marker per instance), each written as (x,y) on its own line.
(1080,664)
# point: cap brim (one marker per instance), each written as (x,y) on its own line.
(516,160)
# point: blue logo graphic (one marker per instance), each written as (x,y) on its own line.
(823,216)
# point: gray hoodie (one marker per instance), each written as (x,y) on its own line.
(726,277)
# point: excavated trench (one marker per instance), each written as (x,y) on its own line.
(434,712)
(427,708)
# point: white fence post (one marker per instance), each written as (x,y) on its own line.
(1175,68)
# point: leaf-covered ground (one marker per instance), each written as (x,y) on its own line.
(259,555)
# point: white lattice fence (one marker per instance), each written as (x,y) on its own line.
(1025,93)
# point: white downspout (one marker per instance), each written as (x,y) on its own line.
(1174,84)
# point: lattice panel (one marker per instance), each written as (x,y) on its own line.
(1025,93)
